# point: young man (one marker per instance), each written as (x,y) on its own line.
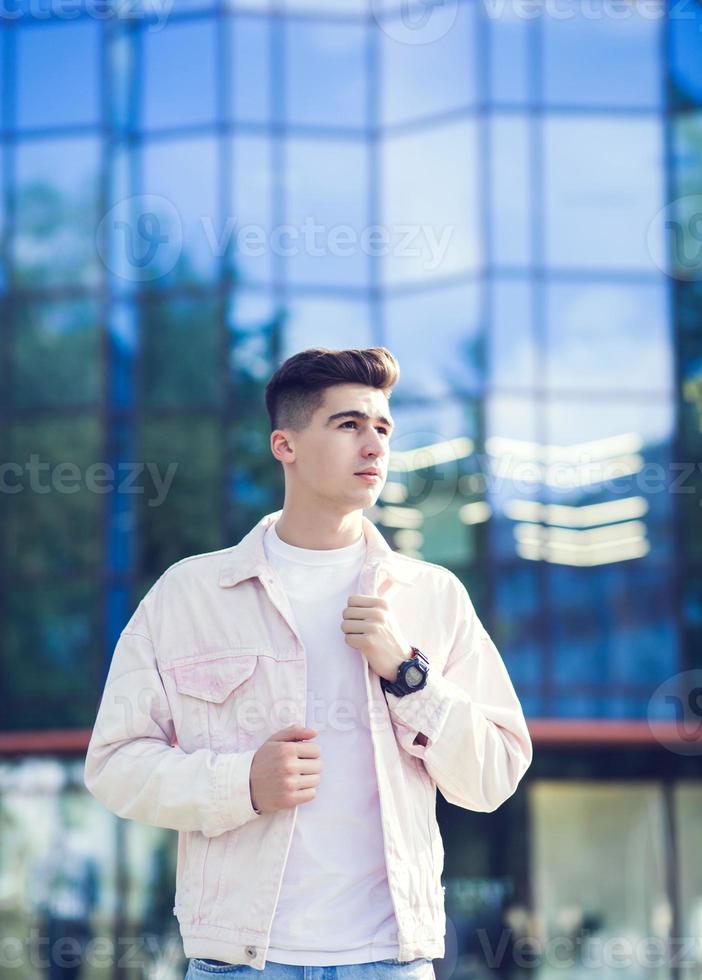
(320,687)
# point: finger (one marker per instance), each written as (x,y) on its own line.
(308,750)
(354,626)
(365,600)
(310,766)
(360,612)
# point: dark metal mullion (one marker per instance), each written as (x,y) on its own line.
(538,222)
(374,81)
(671,857)
(7,38)
(680,568)
(278,149)
(483,534)
(226,23)
(104,414)
(135,163)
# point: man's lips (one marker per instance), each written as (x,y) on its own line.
(369,477)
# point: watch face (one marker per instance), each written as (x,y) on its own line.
(413,677)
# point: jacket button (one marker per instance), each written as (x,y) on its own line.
(250,950)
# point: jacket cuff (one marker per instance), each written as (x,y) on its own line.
(232,789)
(426,710)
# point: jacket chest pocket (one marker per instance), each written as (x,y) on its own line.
(215,689)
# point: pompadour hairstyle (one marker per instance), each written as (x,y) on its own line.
(296,390)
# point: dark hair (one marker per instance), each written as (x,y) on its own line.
(296,390)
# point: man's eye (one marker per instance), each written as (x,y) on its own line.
(381,428)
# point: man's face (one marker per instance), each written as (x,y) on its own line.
(337,444)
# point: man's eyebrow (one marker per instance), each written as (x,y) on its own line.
(355,414)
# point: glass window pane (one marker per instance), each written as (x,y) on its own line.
(58,74)
(254,324)
(187,454)
(581,830)
(612,624)
(688,806)
(517,625)
(323,241)
(442,49)
(595,57)
(122,329)
(609,478)
(57,198)
(57,623)
(188,235)
(250,69)
(510,467)
(512,361)
(150,870)
(431,205)
(599,207)
(56,357)
(179,74)
(686,54)
(326,73)
(319,321)
(260,6)
(682,247)
(431,478)
(181,360)
(437,336)
(593,328)
(510,189)
(59,850)
(508,64)
(252,255)
(52,520)
(340,6)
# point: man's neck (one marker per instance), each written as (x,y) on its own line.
(319,531)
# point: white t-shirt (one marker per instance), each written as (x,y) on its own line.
(335,905)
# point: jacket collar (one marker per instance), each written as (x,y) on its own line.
(248,558)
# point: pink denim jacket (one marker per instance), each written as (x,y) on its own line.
(210,666)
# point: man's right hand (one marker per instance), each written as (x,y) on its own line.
(285,770)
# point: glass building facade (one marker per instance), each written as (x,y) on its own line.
(508,196)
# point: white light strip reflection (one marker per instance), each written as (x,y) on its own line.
(580,557)
(620,445)
(475,513)
(587,515)
(409,517)
(431,455)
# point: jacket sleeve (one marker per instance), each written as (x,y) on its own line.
(131,765)
(477,744)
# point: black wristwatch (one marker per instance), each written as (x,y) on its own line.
(411,675)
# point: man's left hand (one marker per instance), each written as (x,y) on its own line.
(371,627)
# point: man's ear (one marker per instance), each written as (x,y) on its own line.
(281,446)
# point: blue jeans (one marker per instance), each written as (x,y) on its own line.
(392,969)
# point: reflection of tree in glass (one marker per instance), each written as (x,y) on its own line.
(55,235)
